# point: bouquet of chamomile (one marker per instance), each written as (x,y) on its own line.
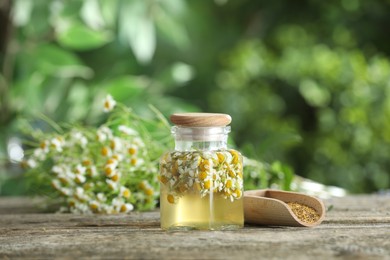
(108,169)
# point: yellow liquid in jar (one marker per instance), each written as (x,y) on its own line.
(201,190)
(191,211)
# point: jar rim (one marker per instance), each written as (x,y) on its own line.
(200,133)
(206,129)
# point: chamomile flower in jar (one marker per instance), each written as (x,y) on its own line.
(201,179)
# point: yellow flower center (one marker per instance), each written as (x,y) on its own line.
(162,179)
(238,193)
(78,180)
(204,165)
(93,206)
(221,157)
(207,184)
(86,162)
(123,208)
(229,184)
(133,161)
(115,177)
(63,180)
(171,198)
(182,188)
(112,144)
(104,151)
(115,157)
(175,167)
(132,151)
(87,186)
(107,170)
(149,192)
(236,156)
(142,185)
(202,175)
(89,172)
(126,193)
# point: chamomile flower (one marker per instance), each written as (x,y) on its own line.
(132,150)
(126,207)
(191,177)
(44,146)
(58,169)
(57,143)
(79,178)
(105,133)
(136,161)
(127,130)
(31,163)
(115,144)
(79,138)
(109,103)
(91,171)
(112,184)
(40,154)
(81,208)
(120,206)
(118,157)
(95,206)
(110,169)
(80,194)
(105,151)
(195,162)
(138,142)
(125,192)
(65,191)
(171,198)
(116,176)
(64,179)
(101,137)
(80,169)
(101,197)
(56,184)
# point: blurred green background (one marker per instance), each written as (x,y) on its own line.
(306,82)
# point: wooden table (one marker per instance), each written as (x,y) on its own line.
(358,227)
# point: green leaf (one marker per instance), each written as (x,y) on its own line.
(51,60)
(109,11)
(285,173)
(136,27)
(172,30)
(77,100)
(91,14)
(125,88)
(79,37)
(22,10)
(314,94)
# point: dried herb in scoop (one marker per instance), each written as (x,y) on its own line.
(303,212)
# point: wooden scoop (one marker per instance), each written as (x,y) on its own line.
(268,207)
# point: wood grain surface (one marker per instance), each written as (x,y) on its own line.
(358,227)
(200,119)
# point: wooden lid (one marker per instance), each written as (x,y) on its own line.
(200,119)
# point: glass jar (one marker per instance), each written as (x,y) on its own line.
(201,180)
